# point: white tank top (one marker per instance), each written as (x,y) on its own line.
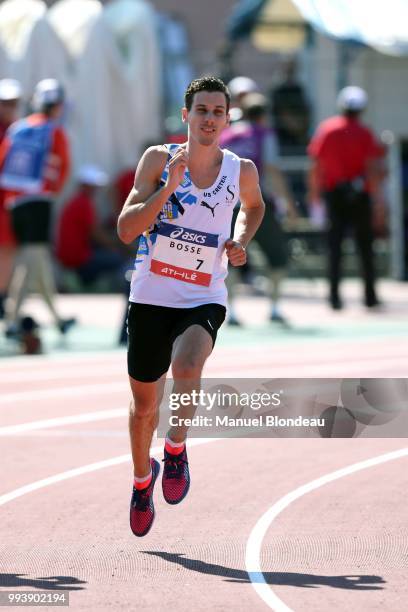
(181,260)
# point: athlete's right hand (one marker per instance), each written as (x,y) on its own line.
(177,167)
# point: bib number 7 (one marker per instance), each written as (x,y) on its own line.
(184,254)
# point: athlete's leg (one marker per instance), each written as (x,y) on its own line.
(231,282)
(276,276)
(142,423)
(143,419)
(337,209)
(46,281)
(364,235)
(273,243)
(190,351)
(19,285)
(7,254)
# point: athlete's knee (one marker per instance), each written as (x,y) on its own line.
(187,367)
(142,408)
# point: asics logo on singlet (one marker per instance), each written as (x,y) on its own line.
(180,232)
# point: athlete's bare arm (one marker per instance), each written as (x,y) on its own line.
(147,197)
(250,215)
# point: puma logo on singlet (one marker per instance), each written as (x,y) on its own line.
(206,205)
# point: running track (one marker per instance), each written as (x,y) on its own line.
(253,532)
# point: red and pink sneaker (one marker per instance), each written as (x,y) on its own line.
(176,477)
(141,505)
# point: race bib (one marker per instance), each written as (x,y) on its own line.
(184,254)
(26,159)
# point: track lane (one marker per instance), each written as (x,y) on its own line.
(199,546)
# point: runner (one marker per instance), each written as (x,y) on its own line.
(181,206)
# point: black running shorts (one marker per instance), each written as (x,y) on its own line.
(153,329)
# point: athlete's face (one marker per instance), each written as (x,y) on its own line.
(207,117)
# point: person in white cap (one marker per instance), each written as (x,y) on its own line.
(82,243)
(10,97)
(253,139)
(239,87)
(34,166)
(346,172)
(48,94)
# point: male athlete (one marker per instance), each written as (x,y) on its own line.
(181,207)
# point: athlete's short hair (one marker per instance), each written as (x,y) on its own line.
(208,83)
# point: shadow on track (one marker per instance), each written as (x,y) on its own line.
(352,582)
(45,583)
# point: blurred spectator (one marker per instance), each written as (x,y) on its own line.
(82,243)
(10,98)
(34,166)
(253,139)
(239,87)
(122,187)
(347,171)
(290,113)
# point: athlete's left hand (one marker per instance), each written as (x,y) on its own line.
(235,252)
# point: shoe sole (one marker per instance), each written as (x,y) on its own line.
(155,472)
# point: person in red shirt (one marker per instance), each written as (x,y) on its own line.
(10,98)
(82,243)
(34,166)
(346,172)
(122,187)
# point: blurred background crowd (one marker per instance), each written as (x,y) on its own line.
(94,83)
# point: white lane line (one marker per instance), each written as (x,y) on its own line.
(85,417)
(312,370)
(40,361)
(116,355)
(237,370)
(86,469)
(71,391)
(77,433)
(254,544)
(74,372)
(94,368)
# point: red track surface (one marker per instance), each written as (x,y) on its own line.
(343,546)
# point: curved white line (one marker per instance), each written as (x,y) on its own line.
(85,417)
(254,544)
(86,469)
(45,482)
